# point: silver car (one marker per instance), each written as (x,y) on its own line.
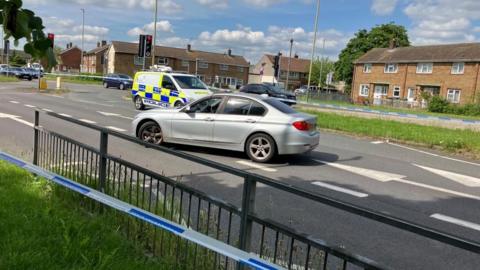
(262,127)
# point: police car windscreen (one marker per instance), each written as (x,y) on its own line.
(189,82)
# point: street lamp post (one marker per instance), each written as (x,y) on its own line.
(313,49)
(83,38)
(154,32)
(320,82)
(289,61)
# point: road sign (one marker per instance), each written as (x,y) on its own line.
(329,78)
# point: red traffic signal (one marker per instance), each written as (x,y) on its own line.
(52,38)
(148,45)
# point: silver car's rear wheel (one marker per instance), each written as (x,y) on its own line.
(151,132)
(260,148)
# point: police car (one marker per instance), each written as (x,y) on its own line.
(162,88)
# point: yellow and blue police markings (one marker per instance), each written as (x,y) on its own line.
(154,95)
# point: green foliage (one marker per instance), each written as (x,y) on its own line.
(16,60)
(320,69)
(440,105)
(20,23)
(363,41)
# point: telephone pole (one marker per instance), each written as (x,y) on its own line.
(289,61)
(83,39)
(154,32)
(313,48)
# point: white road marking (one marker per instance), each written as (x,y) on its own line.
(256,166)
(47,110)
(457,221)
(377,142)
(54,96)
(16,118)
(64,114)
(114,114)
(434,155)
(116,129)
(444,190)
(14,102)
(340,189)
(88,121)
(459,178)
(376,175)
(29,106)
(95,103)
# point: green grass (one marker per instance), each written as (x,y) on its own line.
(39,230)
(453,140)
(78,80)
(8,79)
(389,109)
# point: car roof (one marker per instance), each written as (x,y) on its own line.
(253,96)
(169,73)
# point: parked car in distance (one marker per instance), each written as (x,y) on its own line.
(302,90)
(35,73)
(271,91)
(120,81)
(18,72)
(260,126)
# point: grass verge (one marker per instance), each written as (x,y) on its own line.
(38,230)
(78,80)
(8,79)
(452,140)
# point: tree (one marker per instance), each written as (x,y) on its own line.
(379,36)
(20,23)
(16,60)
(320,69)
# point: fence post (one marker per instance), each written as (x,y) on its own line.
(103,161)
(35,138)
(248,207)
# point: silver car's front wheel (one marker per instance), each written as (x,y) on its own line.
(151,132)
(260,148)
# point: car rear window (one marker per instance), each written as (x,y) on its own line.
(277,104)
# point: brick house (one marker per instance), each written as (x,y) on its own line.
(404,73)
(94,60)
(221,69)
(70,59)
(263,71)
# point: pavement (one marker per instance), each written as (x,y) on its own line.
(419,185)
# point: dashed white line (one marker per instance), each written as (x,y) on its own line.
(64,114)
(377,142)
(256,166)
(116,129)
(29,106)
(14,102)
(47,110)
(457,221)
(444,190)
(88,121)
(53,95)
(340,189)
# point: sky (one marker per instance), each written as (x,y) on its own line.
(254,27)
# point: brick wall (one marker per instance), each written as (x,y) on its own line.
(71,60)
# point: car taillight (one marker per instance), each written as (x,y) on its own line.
(301,125)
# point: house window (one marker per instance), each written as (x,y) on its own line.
(294,75)
(458,68)
(391,68)
(163,61)
(367,68)
(240,69)
(202,64)
(424,68)
(396,91)
(364,88)
(240,82)
(201,77)
(137,61)
(223,67)
(185,63)
(453,95)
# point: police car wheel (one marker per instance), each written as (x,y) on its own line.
(178,104)
(138,103)
(151,132)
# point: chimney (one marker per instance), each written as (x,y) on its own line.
(189,48)
(296,56)
(104,42)
(393,44)
(68,45)
(71,45)
(229,52)
(98,44)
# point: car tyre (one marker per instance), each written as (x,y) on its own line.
(121,86)
(151,132)
(178,104)
(139,103)
(105,84)
(260,148)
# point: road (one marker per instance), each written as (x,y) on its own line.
(414,184)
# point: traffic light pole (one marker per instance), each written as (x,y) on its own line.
(144,52)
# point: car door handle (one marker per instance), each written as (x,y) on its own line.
(250,121)
(209,119)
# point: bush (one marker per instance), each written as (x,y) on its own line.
(438,105)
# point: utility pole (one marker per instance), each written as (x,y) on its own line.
(321,65)
(289,61)
(154,32)
(3,43)
(313,49)
(83,38)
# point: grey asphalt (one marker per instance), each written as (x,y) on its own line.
(392,247)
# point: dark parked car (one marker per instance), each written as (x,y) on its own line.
(20,73)
(120,81)
(35,73)
(271,91)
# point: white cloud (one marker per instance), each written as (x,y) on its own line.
(164,6)
(263,3)
(442,21)
(214,3)
(383,7)
(162,26)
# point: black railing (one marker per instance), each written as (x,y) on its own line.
(209,215)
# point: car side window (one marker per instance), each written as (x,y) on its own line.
(259,89)
(209,105)
(237,106)
(256,109)
(168,83)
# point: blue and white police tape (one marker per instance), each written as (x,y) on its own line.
(184,232)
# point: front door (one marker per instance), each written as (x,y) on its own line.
(380,91)
(196,124)
(411,95)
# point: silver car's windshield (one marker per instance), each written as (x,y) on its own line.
(189,82)
(277,104)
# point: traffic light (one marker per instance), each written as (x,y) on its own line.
(51,37)
(141,46)
(148,45)
(6,46)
